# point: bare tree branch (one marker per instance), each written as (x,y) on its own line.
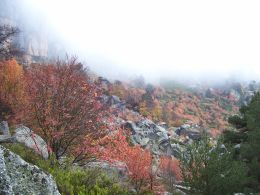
(7,48)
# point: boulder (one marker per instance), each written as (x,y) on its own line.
(20,177)
(26,136)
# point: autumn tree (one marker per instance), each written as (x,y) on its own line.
(11,88)
(156,112)
(62,105)
(138,161)
(170,172)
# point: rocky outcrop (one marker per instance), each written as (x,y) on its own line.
(153,137)
(20,177)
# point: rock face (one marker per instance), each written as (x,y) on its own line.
(28,138)
(36,39)
(20,177)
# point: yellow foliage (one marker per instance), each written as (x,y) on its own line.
(11,82)
(143,108)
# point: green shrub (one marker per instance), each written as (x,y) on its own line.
(71,180)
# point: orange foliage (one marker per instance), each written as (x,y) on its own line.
(11,84)
(137,160)
(170,166)
(215,132)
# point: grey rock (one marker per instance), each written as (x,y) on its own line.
(151,136)
(155,149)
(31,140)
(113,101)
(162,137)
(5,187)
(20,177)
(7,139)
(177,150)
(4,128)
(137,138)
(163,124)
(144,141)
(191,131)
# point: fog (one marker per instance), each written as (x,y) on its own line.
(183,40)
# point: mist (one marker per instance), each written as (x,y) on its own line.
(182,40)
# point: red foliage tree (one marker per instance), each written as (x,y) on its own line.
(137,160)
(62,105)
(170,171)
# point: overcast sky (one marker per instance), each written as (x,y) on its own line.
(213,39)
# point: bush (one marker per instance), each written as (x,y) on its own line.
(63,107)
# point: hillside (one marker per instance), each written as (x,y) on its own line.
(176,104)
(86,126)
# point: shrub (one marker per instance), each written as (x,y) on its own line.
(211,170)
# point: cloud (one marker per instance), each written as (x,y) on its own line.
(160,38)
